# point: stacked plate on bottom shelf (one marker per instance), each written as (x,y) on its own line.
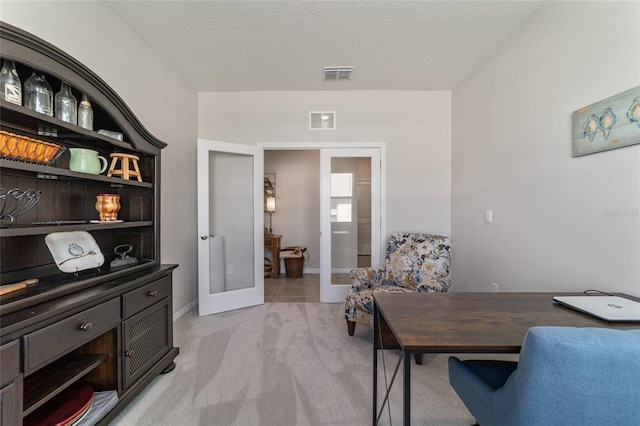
(77,405)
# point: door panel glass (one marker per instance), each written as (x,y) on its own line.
(231,222)
(350,216)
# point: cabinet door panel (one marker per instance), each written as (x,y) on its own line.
(147,337)
(9,362)
(10,381)
(10,407)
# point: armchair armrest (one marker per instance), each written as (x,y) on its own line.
(434,285)
(364,278)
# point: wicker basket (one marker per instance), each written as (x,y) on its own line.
(294,265)
(23,148)
(267,267)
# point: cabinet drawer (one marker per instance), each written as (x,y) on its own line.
(145,296)
(9,362)
(49,343)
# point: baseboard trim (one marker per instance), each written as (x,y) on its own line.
(184,310)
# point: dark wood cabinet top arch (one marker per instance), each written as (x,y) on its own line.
(31,51)
(69,197)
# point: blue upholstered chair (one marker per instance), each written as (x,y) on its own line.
(565,376)
(414,263)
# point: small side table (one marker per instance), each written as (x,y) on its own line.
(272,242)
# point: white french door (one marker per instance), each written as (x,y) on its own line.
(230,226)
(350,217)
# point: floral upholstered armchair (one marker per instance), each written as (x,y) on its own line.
(413,263)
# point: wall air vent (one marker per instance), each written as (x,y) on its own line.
(337,73)
(322,120)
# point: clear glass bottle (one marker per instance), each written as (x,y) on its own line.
(10,86)
(66,105)
(85,113)
(38,94)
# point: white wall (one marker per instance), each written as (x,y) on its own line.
(162,101)
(415,125)
(553,224)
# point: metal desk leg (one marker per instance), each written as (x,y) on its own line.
(406,393)
(375,363)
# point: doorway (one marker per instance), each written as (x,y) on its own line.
(296,171)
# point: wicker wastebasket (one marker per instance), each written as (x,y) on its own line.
(293,260)
(268,267)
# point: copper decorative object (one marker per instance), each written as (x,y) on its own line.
(108,206)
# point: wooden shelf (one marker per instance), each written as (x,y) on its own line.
(26,120)
(48,382)
(48,172)
(47,229)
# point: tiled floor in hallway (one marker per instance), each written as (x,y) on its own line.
(283,289)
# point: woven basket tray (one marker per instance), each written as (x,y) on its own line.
(23,148)
(267,267)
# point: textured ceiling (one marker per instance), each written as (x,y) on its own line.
(282,45)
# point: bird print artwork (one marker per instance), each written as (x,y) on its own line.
(611,123)
(75,249)
(634,111)
(590,128)
(606,122)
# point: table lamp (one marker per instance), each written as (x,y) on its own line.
(270,208)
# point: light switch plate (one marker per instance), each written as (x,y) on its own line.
(488,216)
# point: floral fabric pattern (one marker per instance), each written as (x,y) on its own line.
(413,262)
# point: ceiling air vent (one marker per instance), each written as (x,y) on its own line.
(322,120)
(336,73)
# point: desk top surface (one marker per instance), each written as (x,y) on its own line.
(476,322)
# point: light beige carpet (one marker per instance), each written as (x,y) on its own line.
(285,364)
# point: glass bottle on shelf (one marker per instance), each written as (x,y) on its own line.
(66,105)
(85,113)
(38,94)
(10,86)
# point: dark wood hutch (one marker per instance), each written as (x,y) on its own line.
(107,327)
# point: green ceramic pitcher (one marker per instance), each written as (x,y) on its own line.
(87,161)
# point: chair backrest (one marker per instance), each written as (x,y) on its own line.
(413,258)
(569,375)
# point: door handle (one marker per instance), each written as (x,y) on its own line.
(205,236)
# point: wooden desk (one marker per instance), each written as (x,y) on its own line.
(272,242)
(464,323)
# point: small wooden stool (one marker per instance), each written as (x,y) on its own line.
(125,172)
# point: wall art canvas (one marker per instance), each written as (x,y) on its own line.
(269,187)
(609,124)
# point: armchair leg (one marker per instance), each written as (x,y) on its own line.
(418,358)
(351,327)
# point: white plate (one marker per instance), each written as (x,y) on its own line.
(74,251)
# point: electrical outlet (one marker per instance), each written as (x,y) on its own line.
(230,269)
(494,287)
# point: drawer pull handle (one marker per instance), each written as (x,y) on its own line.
(86,326)
(153,293)
(128,353)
